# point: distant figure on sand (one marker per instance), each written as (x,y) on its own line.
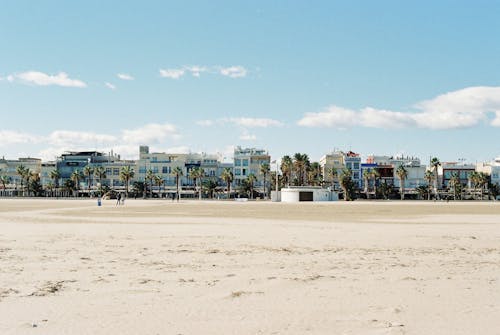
(123,199)
(118,197)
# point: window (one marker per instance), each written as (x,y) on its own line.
(237,162)
(108,171)
(245,162)
(356,166)
(237,172)
(155,169)
(355,175)
(116,172)
(142,169)
(348,165)
(244,172)
(165,169)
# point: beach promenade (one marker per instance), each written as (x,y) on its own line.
(208,267)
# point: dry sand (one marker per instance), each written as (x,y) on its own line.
(157,267)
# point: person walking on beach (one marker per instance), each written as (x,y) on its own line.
(118,198)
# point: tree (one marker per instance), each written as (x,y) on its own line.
(210,186)
(177,172)
(75,177)
(4,180)
(375,175)
(55,176)
(159,181)
(314,174)
(251,178)
(402,174)
(150,176)
(265,169)
(429,177)
(333,173)
(367,176)
(139,187)
(482,180)
(286,168)
(88,171)
(300,163)
(455,184)
(21,171)
(227,176)
(100,174)
(69,185)
(347,183)
(435,163)
(197,174)
(126,173)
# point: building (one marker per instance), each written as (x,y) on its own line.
(447,169)
(352,161)
(332,161)
(8,167)
(248,161)
(163,164)
(492,169)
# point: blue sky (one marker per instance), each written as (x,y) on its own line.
(376,77)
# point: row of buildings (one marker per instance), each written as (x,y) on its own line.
(246,161)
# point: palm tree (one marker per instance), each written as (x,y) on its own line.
(21,171)
(314,174)
(227,176)
(100,173)
(28,175)
(429,177)
(333,173)
(75,177)
(264,171)
(482,179)
(300,163)
(55,176)
(402,174)
(197,174)
(346,183)
(286,168)
(177,172)
(158,181)
(367,175)
(4,180)
(375,175)
(88,171)
(435,163)
(210,185)
(126,173)
(251,178)
(50,186)
(150,176)
(454,183)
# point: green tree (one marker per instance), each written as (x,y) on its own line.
(429,177)
(55,176)
(88,171)
(347,184)
(100,174)
(227,176)
(210,185)
(435,164)
(333,173)
(126,174)
(251,178)
(177,172)
(300,164)
(455,184)
(159,181)
(75,177)
(265,169)
(150,176)
(21,171)
(286,169)
(197,174)
(402,174)
(4,180)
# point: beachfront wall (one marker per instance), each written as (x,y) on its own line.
(299,194)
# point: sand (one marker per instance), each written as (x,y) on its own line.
(157,267)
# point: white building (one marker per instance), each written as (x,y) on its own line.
(248,161)
(492,169)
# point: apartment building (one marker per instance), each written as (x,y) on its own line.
(8,167)
(248,161)
(492,169)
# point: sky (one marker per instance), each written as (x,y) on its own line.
(375,77)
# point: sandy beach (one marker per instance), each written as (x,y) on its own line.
(158,267)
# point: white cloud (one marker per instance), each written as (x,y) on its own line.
(172,73)
(247,136)
(254,122)
(43,79)
(150,133)
(196,70)
(110,86)
(458,109)
(234,71)
(205,123)
(79,138)
(10,137)
(124,76)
